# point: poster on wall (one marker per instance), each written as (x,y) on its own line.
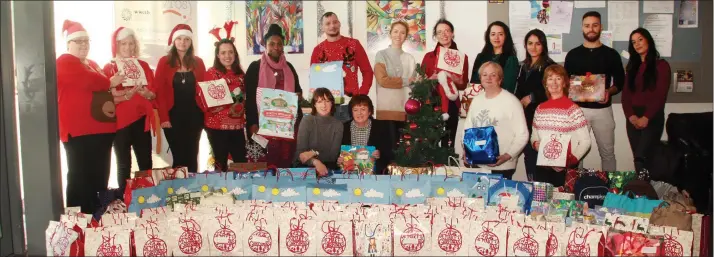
(152,21)
(287,14)
(380,15)
(688,14)
(343,14)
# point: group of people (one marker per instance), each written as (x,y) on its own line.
(520,100)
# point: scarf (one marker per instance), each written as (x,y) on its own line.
(266,77)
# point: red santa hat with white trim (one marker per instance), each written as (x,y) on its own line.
(180,30)
(120,34)
(73,30)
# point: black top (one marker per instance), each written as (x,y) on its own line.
(379,138)
(185,109)
(251,87)
(530,82)
(600,60)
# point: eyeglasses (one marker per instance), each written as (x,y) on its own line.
(81,42)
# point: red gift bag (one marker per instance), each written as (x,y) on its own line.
(136,183)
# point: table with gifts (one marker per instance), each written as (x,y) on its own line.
(290,212)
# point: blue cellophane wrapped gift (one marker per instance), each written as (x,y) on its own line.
(481,145)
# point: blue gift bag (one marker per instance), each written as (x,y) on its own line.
(262,188)
(449,187)
(370,189)
(317,192)
(219,181)
(481,145)
(241,188)
(505,187)
(480,183)
(280,189)
(410,191)
(148,197)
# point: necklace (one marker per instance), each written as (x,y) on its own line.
(183,77)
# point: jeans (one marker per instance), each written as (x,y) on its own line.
(602,124)
(642,140)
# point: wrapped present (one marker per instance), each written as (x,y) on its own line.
(277,112)
(539,208)
(587,88)
(481,145)
(357,159)
(618,179)
(399,170)
(542,191)
(562,196)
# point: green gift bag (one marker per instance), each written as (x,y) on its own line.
(618,179)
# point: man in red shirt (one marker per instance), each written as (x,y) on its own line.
(348,50)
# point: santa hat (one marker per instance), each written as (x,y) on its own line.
(73,30)
(180,30)
(120,34)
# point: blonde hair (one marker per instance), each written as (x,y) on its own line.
(137,49)
(556,69)
(497,66)
(399,22)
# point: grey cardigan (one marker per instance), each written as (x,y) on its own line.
(322,134)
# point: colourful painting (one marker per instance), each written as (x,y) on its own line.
(380,15)
(540,9)
(287,14)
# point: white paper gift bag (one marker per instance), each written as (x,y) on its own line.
(150,238)
(373,234)
(216,92)
(448,235)
(412,236)
(451,60)
(579,241)
(223,229)
(553,150)
(335,238)
(113,241)
(187,237)
(527,241)
(59,238)
(133,72)
(488,238)
(675,242)
(260,237)
(298,235)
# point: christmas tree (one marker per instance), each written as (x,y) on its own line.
(420,138)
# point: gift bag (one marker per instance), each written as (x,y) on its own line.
(318,192)
(675,242)
(132,71)
(452,187)
(448,236)
(328,75)
(136,183)
(587,88)
(580,241)
(260,238)
(553,150)
(368,189)
(527,241)
(451,60)
(288,189)
(182,191)
(277,112)
(406,191)
(357,159)
(518,192)
(335,238)
(186,235)
(481,145)
(373,234)
(59,239)
(412,235)
(489,238)
(168,173)
(298,235)
(224,229)
(621,243)
(145,198)
(150,239)
(480,183)
(467,95)
(215,93)
(241,188)
(113,241)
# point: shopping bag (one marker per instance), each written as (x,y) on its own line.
(580,241)
(150,197)
(114,241)
(298,235)
(186,235)
(261,238)
(409,191)
(368,189)
(328,75)
(518,192)
(168,173)
(373,233)
(675,242)
(467,96)
(240,188)
(452,187)
(318,192)
(481,145)
(448,236)
(181,191)
(412,235)
(215,92)
(553,150)
(277,112)
(335,238)
(288,189)
(136,183)
(150,238)
(132,71)
(59,238)
(490,238)
(527,241)
(224,229)
(480,183)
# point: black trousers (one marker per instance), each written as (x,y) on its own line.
(530,157)
(132,136)
(452,125)
(549,175)
(642,140)
(224,142)
(89,162)
(507,174)
(183,143)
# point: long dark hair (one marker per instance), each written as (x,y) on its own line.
(451,26)
(187,61)
(235,66)
(508,49)
(544,58)
(651,61)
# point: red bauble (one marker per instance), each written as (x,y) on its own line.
(412,125)
(334,242)
(437,108)
(412,106)
(407,136)
(487,238)
(526,245)
(552,245)
(672,247)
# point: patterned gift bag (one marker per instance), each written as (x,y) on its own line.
(412,235)
(187,237)
(150,238)
(224,230)
(59,238)
(448,236)
(168,173)
(335,238)
(113,241)
(675,242)
(542,191)
(373,234)
(132,71)
(298,235)
(409,191)
(527,241)
(320,192)
(368,189)
(580,241)
(623,243)
(260,237)
(490,238)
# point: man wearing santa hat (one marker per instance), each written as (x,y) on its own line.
(176,81)
(87,120)
(134,107)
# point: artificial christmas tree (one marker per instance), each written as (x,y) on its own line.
(419,142)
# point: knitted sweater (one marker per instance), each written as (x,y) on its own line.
(564,117)
(353,57)
(505,113)
(392,69)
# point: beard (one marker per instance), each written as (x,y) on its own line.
(593,39)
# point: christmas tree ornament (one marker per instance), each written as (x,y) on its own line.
(412,106)
(412,126)
(407,136)
(437,109)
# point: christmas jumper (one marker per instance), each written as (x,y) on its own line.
(76,84)
(353,57)
(448,90)
(652,100)
(164,84)
(132,110)
(562,116)
(505,113)
(225,117)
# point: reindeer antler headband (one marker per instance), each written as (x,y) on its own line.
(228,26)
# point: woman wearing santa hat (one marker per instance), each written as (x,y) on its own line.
(450,83)
(134,108)
(224,124)
(176,82)
(87,121)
